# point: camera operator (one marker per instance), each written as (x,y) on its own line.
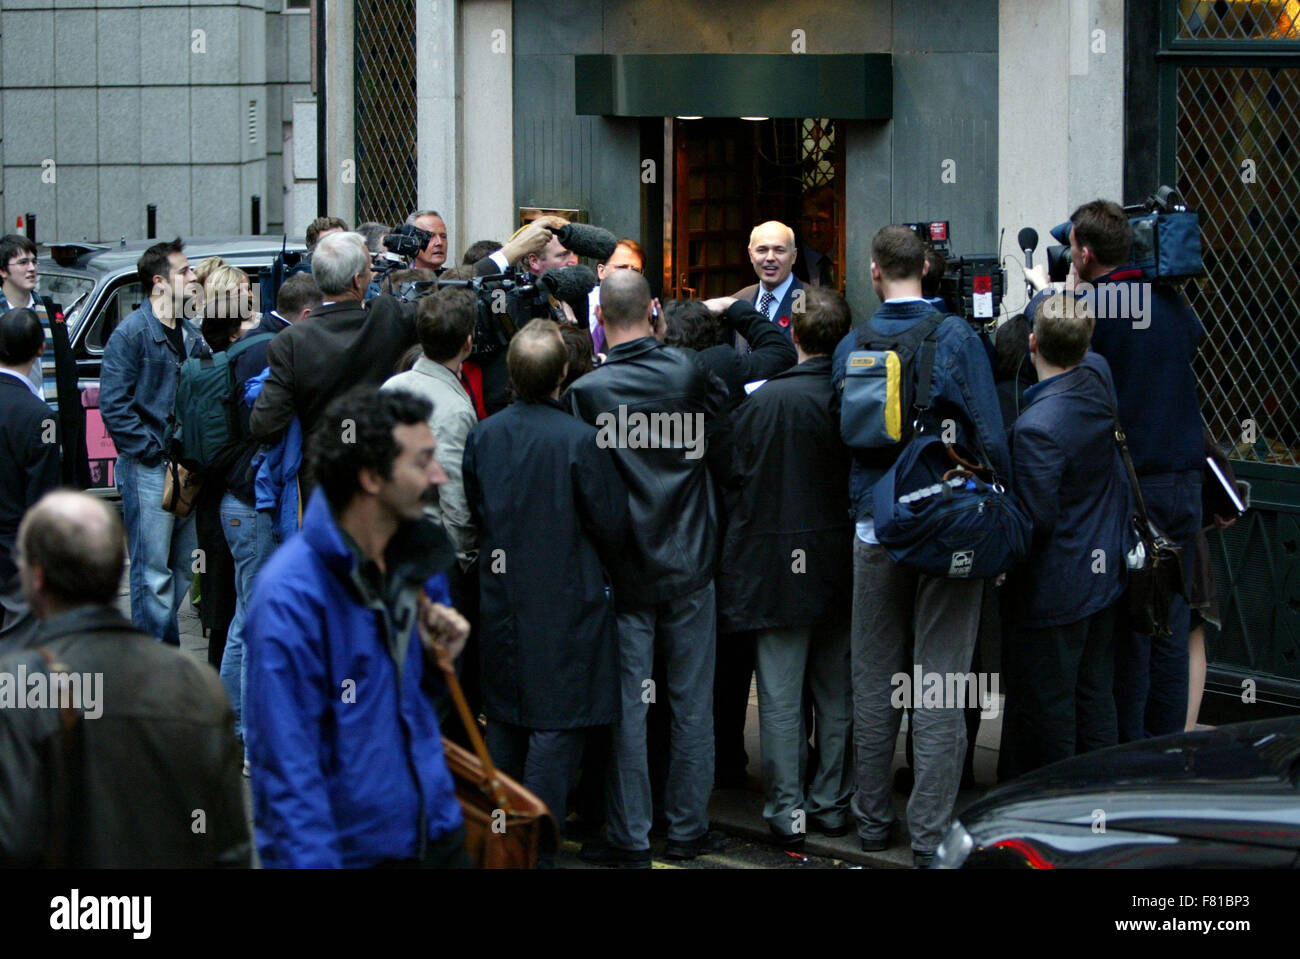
(434,254)
(1150,352)
(536,248)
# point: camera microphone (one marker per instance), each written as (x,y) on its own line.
(569,282)
(590,241)
(1028,240)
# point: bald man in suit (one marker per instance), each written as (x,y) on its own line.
(778,292)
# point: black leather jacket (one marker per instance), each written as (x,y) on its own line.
(673,546)
(147,776)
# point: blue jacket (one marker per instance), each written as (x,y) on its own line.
(1151,358)
(275,469)
(342,736)
(1072,484)
(963,381)
(137,382)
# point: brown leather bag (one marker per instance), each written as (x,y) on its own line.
(506,826)
(180,488)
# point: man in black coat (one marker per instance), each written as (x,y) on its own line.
(551,510)
(787,574)
(347,343)
(29,459)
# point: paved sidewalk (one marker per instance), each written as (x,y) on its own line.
(740,811)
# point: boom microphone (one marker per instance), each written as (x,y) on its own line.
(569,282)
(590,241)
(1028,240)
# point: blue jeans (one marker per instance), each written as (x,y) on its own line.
(1151,673)
(250,535)
(161,546)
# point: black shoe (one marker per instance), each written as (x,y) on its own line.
(834,832)
(878,844)
(790,843)
(711,841)
(603,854)
(922,860)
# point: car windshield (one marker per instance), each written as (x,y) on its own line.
(66,289)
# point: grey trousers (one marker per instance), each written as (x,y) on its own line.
(683,631)
(783,658)
(543,761)
(902,618)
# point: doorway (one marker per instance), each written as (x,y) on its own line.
(730,174)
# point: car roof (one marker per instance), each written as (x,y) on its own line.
(114,257)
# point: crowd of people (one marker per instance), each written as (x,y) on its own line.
(607,528)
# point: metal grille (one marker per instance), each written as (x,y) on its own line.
(818,152)
(1248,20)
(1236,125)
(385,110)
(1258,584)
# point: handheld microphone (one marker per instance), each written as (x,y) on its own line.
(589,241)
(1028,240)
(568,282)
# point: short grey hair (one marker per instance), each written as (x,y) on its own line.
(337,260)
(410,220)
(374,232)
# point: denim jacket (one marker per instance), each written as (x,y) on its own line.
(137,382)
(964,392)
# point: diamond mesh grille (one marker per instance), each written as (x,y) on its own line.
(818,152)
(1232,123)
(385,109)
(1248,20)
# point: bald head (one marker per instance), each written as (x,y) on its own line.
(624,300)
(71,552)
(772,252)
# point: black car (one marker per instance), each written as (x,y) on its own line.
(96,286)
(1226,797)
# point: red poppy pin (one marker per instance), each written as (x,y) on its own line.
(784,321)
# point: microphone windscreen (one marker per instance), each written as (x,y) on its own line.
(589,241)
(1028,238)
(569,282)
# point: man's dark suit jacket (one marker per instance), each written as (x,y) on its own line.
(341,346)
(29,467)
(784,309)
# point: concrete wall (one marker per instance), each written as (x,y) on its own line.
(945,107)
(1061,126)
(106,108)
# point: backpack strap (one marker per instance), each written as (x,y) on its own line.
(925,373)
(247,343)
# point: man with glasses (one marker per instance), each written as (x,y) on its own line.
(54,372)
(628,255)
